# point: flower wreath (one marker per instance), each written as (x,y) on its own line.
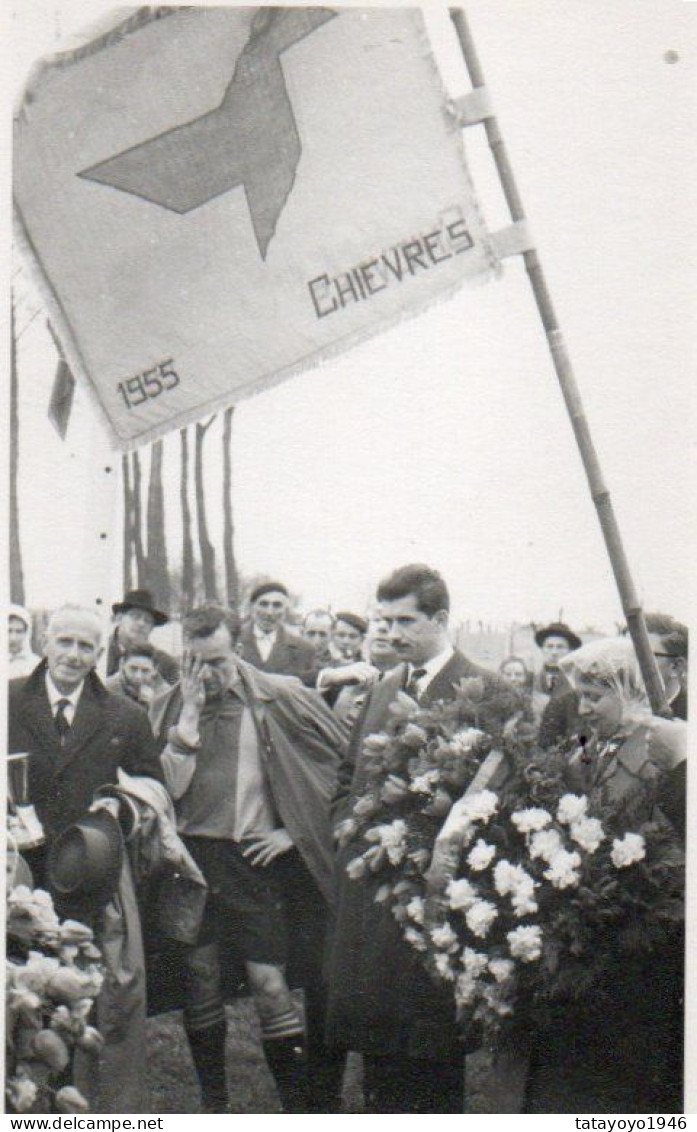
(513,890)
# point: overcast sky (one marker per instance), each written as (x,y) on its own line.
(446,439)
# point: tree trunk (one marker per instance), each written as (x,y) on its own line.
(127,525)
(210,588)
(137,528)
(231,578)
(188,592)
(158,571)
(16,570)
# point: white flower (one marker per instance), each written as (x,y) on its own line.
(415,938)
(38,972)
(525,943)
(628,850)
(465,989)
(465,739)
(529,821)
(480,916)
(391,837)
(545,844)
(444,937)
(481,806)
(356,868)
(561,871)
(474,962)
(505,877)
(571,807)
(481,856)
(413,735)
(424,783)
(377,742)
(523,900)
(21,998)
(588,833)
(415,909)
(444,967)
(501,969)
(21,1092)
(460,894)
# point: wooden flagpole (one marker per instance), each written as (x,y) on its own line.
(565,374)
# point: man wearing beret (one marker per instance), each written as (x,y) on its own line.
(560,718)
(266,641)
(137,616)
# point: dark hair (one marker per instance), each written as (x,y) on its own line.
(205,619)
(674,635)
(144,649)
(423,582)
(267,588)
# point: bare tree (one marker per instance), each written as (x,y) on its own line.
(16,570)
(157,568)
(231,576)
(188,591)
(137,516)
(207,549)
(127,524)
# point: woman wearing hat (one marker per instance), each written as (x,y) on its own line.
(136,617)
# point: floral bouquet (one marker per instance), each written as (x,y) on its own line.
(53,975)
(517,895)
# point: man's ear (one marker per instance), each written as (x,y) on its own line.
(441,618)
(679,666)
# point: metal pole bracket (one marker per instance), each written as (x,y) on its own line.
(474,107)
(513,240)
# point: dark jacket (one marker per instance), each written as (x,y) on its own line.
(290,655)
(382,1001)
(560,718)
(165,664)
(107,732)
(301,744)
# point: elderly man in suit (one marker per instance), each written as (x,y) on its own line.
(76,733)
(266,641)
(382,1002)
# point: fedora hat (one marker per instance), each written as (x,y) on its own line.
(141,599)
(557,629)
(84,862)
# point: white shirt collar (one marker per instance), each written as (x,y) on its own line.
(432,667)
(262,636)
(54,695)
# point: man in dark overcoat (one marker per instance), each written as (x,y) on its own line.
(76,734)
(268,643)
(381,1000)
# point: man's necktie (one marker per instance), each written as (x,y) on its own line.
(60,721)
(412,688)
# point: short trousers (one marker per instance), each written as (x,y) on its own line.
(249,905)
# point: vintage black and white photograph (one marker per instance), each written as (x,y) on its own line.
(349,420)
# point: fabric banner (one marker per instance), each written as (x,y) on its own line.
(217,198)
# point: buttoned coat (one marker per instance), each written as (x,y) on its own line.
(381,1000)
(107,732)
(290,655)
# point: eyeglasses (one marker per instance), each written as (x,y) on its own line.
(667,655)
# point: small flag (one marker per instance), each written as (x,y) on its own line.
(61,403)
(221,197)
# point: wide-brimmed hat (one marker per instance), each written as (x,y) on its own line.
(558,629)
(84,862)
(141,599)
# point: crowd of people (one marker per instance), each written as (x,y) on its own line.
(239,759)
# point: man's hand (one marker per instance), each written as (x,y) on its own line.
(359,673)
(193,699)
(265,847)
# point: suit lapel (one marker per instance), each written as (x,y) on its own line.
(278,656)
(36,717)
(441,687)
